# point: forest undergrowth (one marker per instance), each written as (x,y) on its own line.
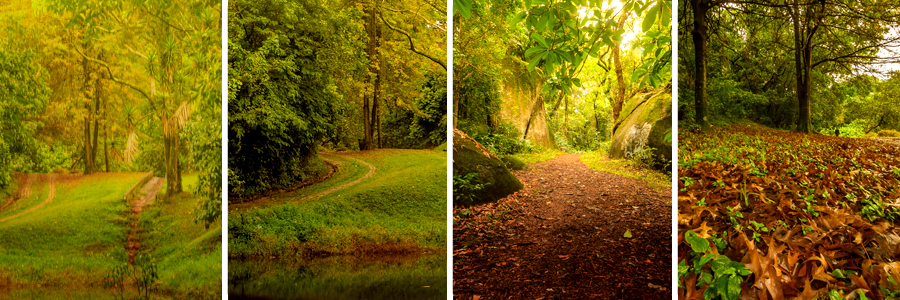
(772,214)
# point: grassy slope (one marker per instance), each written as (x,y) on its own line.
(72,240)
(600,161)
(189,256)
(400,208)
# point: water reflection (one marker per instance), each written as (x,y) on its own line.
(341,277)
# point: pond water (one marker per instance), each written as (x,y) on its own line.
(340,277)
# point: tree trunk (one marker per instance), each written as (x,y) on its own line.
(802,61)
(700,37)
(620,91)
(173,172)
(106,145)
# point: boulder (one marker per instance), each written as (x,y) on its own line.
(513,163)
(470,157)
(644,121)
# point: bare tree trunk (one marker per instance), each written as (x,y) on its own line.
(700,37)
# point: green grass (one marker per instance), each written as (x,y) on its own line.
(71,241)
(188,255)
(399,209)
(536,157)
(341,277)
(601,162)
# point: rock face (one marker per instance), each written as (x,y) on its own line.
(471,157)
(522,101)
(644,121)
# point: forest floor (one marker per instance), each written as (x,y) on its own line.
(570,233)
(770,214)
(63,235)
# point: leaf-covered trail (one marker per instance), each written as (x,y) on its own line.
(562,236)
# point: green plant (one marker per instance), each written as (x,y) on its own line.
(465,187)
(722,275)
(733,216)
(688,181)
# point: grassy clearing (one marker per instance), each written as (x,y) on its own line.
(188,255)
(72,240)
(536,157)
(341,278)
(399,209)
(627,168)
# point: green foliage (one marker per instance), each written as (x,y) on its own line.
(284,57)
(24,93)
(722,275)
(465,186)
(503,139)
(204,139)
(888,133)
(425,123)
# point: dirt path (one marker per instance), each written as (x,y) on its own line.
(27,193)
(562,237)
(268,197)
(24,191)
(340,187)
(149,190)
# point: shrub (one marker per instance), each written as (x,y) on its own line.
(889,133)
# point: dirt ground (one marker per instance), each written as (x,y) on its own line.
(563,237)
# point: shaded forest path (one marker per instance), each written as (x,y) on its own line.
(562,236)
(25,192)
(278,196)
(149,191)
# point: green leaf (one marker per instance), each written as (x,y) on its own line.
(650,18)
(533,50)
(517,19)
(542,22)
(540,39)
(698,244)
(464,7)
(628,233)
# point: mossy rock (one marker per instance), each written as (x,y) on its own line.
(471,157)
(513,163)
(646,116)
(441,147)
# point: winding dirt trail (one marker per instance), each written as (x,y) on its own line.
(340,187)
(149,190)
(268,198)
(27,192)
(564,236)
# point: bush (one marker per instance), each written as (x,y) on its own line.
(889,133)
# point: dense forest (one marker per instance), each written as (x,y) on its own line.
(340,75)
(809,66)
(534,75)
(98,86)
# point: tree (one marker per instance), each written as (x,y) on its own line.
(23,94)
